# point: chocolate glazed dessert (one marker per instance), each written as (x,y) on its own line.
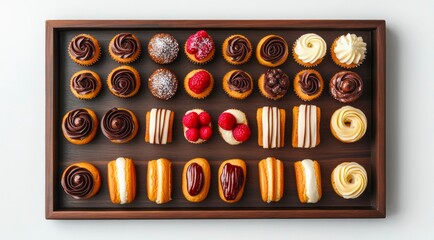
(195,179)
(232,181)
(77,182)
(82,48)
(273,49)
(309,83)
(346,86)
(119,125)
(78,124)
(84,83)
(124,45)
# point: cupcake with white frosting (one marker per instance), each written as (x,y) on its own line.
(309,50)
(348,51)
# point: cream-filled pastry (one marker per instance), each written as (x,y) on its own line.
(308,177)
(159,180)
(159,124)
(122,180)
(271,179)
(306,124)
(271,127)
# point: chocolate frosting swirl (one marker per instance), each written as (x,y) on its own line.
(84,83)
(78,124)
(77,182)
(239,81)
(273,49)
(276,82)
(123,82)
(309,83)
(195,179)
(346,86)
(238,48)
(232,180)
(117,124)
(124,45)
(82,48)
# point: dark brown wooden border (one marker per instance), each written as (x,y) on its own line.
(379,145)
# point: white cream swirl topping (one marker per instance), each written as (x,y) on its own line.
(349,124)
(310,47)
(349,179)
(350,49)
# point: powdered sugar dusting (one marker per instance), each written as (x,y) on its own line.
(202,45)
(163,48)
(163,84)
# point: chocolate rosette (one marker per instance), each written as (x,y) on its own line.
(346,86)
(78,124)
(123,82)
(77,182)
(273,49)
(118,125)
(82,48)
(124,45)
(309,83)
(240,82)
(238,49)
(84,83)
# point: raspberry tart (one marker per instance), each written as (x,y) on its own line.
(200,47)
(234,127)
(197,126)
(198,83)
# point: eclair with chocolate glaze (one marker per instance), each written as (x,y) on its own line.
(231,180)
(196,178)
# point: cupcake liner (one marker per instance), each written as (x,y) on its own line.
(336,60)
(300,62)
(91,61)
(190,57)
(228,59)
(205,93)
(90,95)
(306,97)
(136,75)
(125,60)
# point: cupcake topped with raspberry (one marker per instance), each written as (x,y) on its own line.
(233,127)
(197,126)
(200,47)
(198,83)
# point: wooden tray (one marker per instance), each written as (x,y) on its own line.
(369,151)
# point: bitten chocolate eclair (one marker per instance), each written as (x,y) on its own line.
(271,127)
(271,179)
(232,179)
(305,128)
(159,124)
(122,180)
(196,178)
(159,181)
(308,177)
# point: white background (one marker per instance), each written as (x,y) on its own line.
(410,120)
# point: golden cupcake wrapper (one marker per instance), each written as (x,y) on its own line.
(263,93)
(91,95)
(301,63)
(228,89)
(195,61)
(198,96)
(302,97)
(126,60)
(227,58)
(138,81)
(83,63)
(336,60)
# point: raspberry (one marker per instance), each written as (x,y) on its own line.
(192,45)
(241,132)
(227,121)
(205,132)
(204,118)
(202,33)
(191,120)
(199,82)
(192,134)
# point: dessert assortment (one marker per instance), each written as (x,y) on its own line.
(120,125)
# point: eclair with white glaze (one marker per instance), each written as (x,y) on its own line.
(159,180)
(271,127)
(305,126)
(159,124)
(308,178)
(122,180)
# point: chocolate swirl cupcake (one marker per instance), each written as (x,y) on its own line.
(124,81)
(274,83)
(272,51)
(81,180)
(84,49)
(79,125)
(237,84)
(308,84)
(125,48)
(237,49)
(119,125)
(85,84)
(346,86)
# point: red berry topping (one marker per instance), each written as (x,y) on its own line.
(192,134)
(191,120)
(205,132)
(200,44)
(199,81)
(204,118)
(227,121)
(241,132)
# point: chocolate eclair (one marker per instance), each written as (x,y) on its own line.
(231,180)
(196,178)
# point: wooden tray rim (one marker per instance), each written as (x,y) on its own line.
(379,99)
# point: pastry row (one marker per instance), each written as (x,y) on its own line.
(124,82)
(120,125)
(347,51)
(82,180)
